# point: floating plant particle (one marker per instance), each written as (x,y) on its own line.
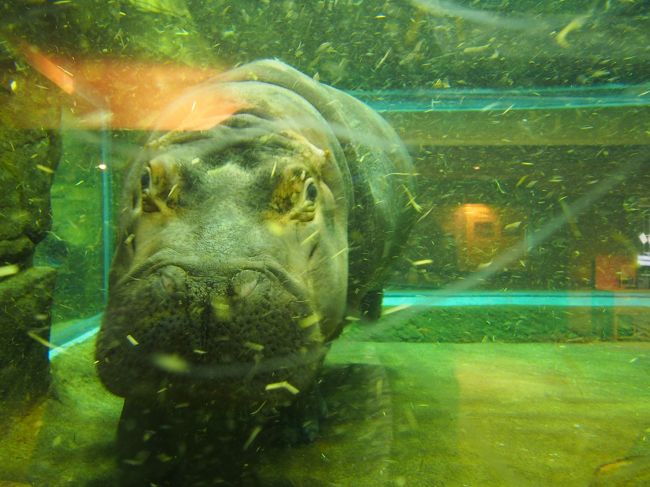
(512,226)
(9,270)
(35,336)
(252,436)
(170,363)
(425,215)
(531,184)
(395,309)
(310,320)
(310,237)
(257,347)
(164,458)
(344,249)
(412,201)
(282,385)
(45,169)
(221,307)
(258,409)
(575,24)
(476,49)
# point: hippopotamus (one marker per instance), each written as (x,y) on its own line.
(252,224)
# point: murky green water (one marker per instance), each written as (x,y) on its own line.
(513,344)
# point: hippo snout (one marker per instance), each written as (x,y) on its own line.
(172,281)
(237,285)
(185,323)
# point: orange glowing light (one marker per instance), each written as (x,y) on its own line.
(123,94)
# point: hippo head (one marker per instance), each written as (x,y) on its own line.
(231,272)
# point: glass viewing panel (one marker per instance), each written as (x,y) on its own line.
(240,340)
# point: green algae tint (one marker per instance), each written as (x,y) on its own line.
(513,347)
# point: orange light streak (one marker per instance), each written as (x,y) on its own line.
(124,94)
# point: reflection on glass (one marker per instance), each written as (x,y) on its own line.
(513,343)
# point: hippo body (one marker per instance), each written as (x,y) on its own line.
(247,233)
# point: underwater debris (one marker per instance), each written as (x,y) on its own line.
(396,309)
(575,24)
(383,59)
(476,49)
(424,215)
(35,336)
(412,201)
(310,320)
(171,191)
(45,169)
(344,249)
(485,265)
(521,180)
(256,347)
(310,237)
(170,363)
(282,385)
(420,262)
(252,436)
(9,270)
(132,340)
(172,8)
(221,307)
(512,226)
(496,181)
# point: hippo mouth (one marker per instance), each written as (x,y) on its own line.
(233,334)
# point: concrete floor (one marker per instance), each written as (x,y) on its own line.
(399,414)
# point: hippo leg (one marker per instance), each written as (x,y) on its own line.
(299,423)
(371,304)
(184,447)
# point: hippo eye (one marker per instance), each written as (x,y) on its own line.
(311,191)
(145,179)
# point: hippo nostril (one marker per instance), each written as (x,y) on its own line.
(244,283)
(172,278)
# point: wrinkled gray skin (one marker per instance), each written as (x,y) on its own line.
(242,247)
